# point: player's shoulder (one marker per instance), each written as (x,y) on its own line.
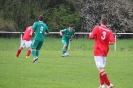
(73,30)
(102,28)
(29,27)
(45,25)
(96,27)
(35,23)
(109,30)
(65,29)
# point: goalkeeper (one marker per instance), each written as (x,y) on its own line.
(67,35)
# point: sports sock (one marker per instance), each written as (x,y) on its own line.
(63,51)
(37,53)
(101,78)
(106,80)
(28,52)
(34,53)
(18,52)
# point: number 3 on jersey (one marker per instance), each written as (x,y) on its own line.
(41,29)
(103,35)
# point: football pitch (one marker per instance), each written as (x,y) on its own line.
(53,71)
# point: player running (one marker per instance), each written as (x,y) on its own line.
(40,28)
(26,42)
(103,37)
(67,35)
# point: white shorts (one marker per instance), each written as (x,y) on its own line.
(25,43)
(100,61)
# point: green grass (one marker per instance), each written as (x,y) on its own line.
(54,71)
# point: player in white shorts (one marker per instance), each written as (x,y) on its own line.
(25,42)
(100,61)
(103,38)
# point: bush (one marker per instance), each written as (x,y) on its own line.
(7,25)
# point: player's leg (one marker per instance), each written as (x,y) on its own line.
(64,49)
(102,86)
(28,52)
(67,48)
(100,63)
(110,86)
(19,51)
(104,74)
(39,47)
(28,44)
(34,45)
(21,47)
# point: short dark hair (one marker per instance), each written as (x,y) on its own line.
(70,25)
(41,18)
(104,21)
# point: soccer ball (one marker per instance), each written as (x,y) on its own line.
(66,54)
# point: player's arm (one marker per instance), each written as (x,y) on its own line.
(31,32)
(61,34)
(72,36)
(47,31)
(92,34)
(112,39)
(33,29)
(111,43)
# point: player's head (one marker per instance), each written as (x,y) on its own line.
(41,18)
(104,21)
(70,26)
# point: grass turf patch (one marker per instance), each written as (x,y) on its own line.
(54,71)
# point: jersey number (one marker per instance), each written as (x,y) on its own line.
(103,35)
(41,29)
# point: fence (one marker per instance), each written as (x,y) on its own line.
(82,33)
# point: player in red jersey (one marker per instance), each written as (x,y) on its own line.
(26,42)
(103,38)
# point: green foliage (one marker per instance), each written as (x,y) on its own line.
(6,25)
(58,13)
(61,17)
(84,14)
(118,12)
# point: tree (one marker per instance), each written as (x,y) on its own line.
(118,12)
(58,13)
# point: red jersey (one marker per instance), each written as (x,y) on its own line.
(102,36)
(26,35)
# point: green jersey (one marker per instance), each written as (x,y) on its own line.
(40,28)
(67,34)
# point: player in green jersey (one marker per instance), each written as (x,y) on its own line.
(40,28)
(67,35)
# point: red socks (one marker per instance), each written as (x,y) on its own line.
(104,78)
(101,79)
(28,52)
(18,52)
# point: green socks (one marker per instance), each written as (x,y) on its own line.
(63,51)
